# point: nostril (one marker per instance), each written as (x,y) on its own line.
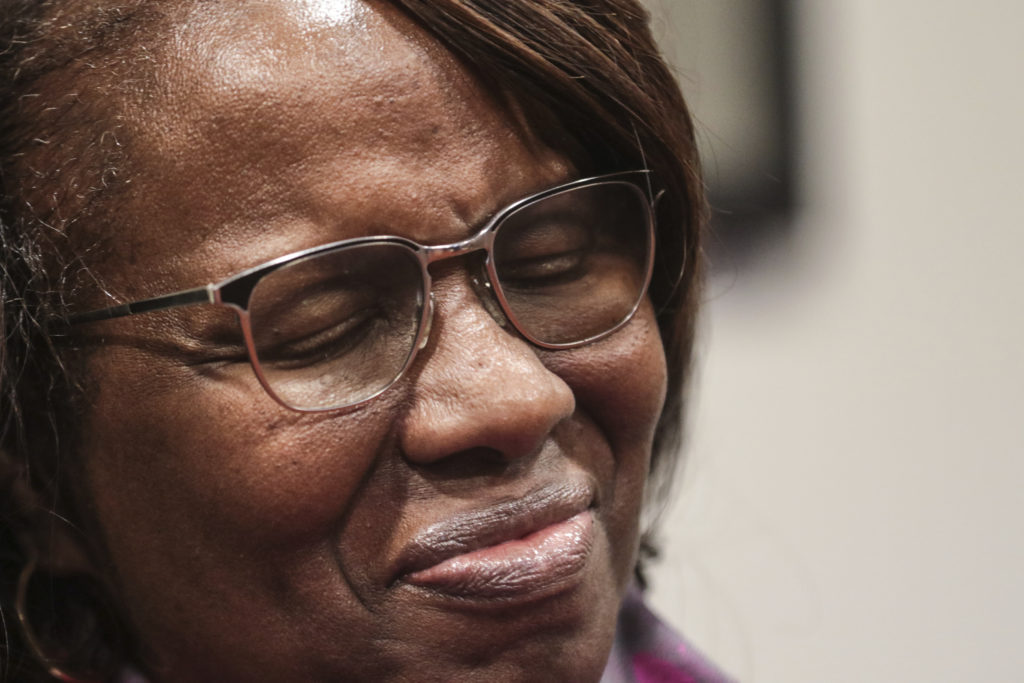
(472,463)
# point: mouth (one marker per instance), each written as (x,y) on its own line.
(522,549)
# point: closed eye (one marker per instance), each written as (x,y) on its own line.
(546,270)
(321,342)
(543,253)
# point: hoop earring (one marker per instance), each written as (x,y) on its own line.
(29,634)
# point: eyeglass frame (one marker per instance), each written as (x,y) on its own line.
(235,291)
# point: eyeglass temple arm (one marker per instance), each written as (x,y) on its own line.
(200,295)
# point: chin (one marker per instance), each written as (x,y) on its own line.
(560,628)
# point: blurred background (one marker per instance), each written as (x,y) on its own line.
(852,507)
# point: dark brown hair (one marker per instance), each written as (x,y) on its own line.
(587,74)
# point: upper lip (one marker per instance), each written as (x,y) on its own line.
(503,521)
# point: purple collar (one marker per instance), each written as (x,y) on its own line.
(646,650)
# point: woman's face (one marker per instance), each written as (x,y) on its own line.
(250,542)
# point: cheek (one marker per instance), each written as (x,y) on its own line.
(620,381)
(619,384)
(203,489)
(160,461)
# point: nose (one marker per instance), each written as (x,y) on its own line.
(478,386)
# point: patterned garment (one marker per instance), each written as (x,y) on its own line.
(646,650)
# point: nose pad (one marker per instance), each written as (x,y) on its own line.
(657,199)
(489,300)
(425,336)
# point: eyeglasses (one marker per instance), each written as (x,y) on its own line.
(334,326)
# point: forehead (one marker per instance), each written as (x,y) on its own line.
(273,126)
(297,78)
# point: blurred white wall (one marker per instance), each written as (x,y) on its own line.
(853,504)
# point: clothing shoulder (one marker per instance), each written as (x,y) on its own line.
(647,650)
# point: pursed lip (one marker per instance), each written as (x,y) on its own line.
(501,522)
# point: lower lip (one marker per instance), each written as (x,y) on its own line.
(541,564)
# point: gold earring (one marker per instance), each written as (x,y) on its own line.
(29,633)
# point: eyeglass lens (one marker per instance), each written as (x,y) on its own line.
(336,328)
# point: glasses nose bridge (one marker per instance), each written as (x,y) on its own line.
(480,279)
(482,241)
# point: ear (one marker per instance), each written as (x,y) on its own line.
(40,531)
